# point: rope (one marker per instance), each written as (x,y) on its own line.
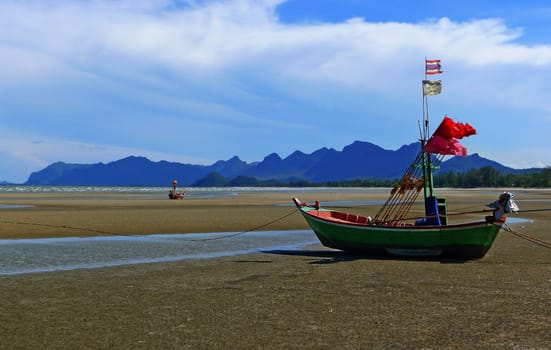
(247,231)
(534,210)
(131,235)
(439,215)
(527,237)
(462,213)
(66,227)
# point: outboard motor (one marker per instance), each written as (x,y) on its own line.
(504,204)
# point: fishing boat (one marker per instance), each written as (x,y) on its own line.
(392,230)
(174,194)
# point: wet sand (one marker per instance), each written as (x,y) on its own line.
(315,298)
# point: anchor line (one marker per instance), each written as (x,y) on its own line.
(133,235)
(527,236)
(534,210)
(465,213)
(247,231)
(440,215)
(66,227)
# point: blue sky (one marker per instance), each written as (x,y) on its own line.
(198,81)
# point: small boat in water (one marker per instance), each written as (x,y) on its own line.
(391,230)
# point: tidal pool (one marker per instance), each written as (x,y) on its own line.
(19,256)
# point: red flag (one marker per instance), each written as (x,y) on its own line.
(441,145)
(450,129)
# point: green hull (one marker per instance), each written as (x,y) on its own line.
(466,241)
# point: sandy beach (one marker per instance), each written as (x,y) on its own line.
(314,298)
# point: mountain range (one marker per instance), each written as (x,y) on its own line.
(359,160)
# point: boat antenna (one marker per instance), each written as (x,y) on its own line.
(430,88)
(424,133)
(419,175)
(426,163)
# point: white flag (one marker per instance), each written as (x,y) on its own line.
(432,87)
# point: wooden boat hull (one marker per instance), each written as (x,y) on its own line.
(178,195)
(355,234)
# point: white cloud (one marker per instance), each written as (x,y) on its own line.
(221,34)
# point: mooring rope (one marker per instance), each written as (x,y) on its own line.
(247,231)
(65,227)
(527,236)
(463,213)
(440,215)
(135,235)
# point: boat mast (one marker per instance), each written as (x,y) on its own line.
(419,175)
(428,189)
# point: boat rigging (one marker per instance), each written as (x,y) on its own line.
(430,235)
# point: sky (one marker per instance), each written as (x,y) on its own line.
(196,81)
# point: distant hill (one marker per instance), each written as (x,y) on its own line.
(474,161)
(131,171)
(355,161)
(358,160)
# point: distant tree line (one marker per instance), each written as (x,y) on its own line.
(483,177)
(490,177)
(216,180)
(362,183)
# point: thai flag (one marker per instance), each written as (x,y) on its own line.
(433,67)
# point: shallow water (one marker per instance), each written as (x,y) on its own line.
(55,254)
(517,220)
(14,206)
